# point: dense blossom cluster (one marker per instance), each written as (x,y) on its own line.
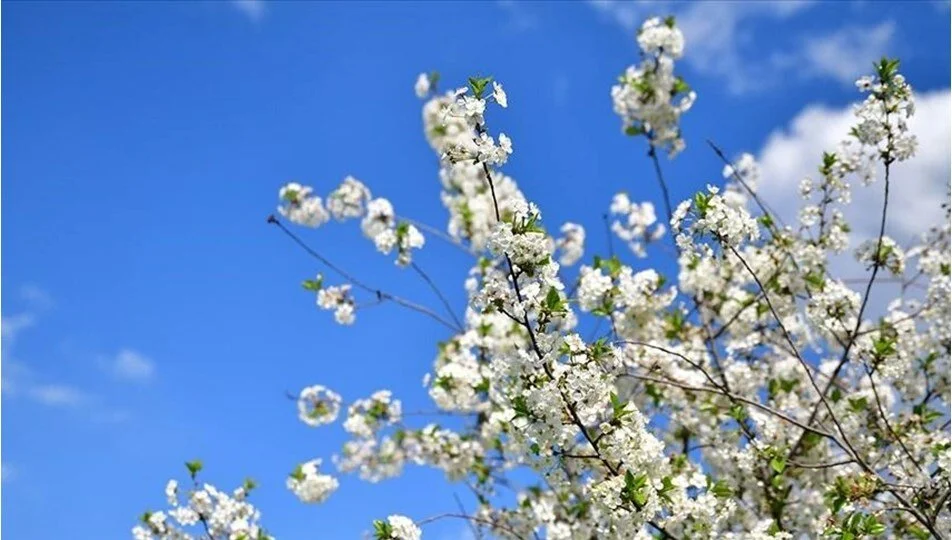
(397,527)
(318,405)
(202,511)
(752,395)
(309,484)
(649,97)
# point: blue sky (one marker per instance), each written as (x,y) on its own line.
(152,316)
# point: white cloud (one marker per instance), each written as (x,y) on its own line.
(57,395)
(849,52)
(917,187)
(11,326)
(519,17)
(20,381)
(719,41)
(36,296)
(133,366)
(716,33)
(7,472)
(253,9)
(624,14)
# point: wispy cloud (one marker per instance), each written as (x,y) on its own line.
(849,52)
(518,15)
(7,472)
(11,326)
(719,43)
(57,395)
(36,296)
(132,366)
(253,9)
(21,381)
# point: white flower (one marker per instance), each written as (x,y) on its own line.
(365,416)
(379,217)
(636,228)
(348,200)
(657,35)
(500,95)
(301,207)
(572,243)
(403,528)
(505,143)
(309,484)
(422,86)
(338,299)
(171,493)
(318,405)
(344,314)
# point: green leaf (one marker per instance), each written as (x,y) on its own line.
(554,302)
(313,284)
(599,349)
(382,530)
(674,324)
(737,412)
(669,21)
(478,85)
(580,508)
(520,406)
(618,408)
(634,130)
(778,464)
(721,489)
(611,266)
(291,195)
(680,86)
(193,467)
(816,280)
(701,202)
(633,490)
(402,229)
(829,160)
(874,527)
(857,404)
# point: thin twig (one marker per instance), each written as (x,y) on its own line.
(439,294)
(381,295)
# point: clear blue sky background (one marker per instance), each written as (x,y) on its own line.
(143,145)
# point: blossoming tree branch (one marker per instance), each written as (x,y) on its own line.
(754,394)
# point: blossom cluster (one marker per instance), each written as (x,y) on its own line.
(638,225)
(309,484)
(352,200)
(318,405)
(750,394)
(649,97)
(202,511)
